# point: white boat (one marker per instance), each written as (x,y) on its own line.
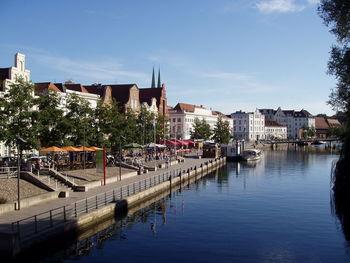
(251,154)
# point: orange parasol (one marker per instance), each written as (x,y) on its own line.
(96,148)
(70,149)
(85,149)
(52,149)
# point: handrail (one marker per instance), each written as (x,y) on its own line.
(58,216)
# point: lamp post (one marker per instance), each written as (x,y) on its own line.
(19,153)
(154,134)
(121,137)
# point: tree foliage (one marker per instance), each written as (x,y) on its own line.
(201,130)
(49,119)
(222,133)
(18,117)
(336,15)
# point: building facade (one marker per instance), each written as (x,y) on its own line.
(295,121)
(183,115)
(249,126)
(9,76)
(274,130)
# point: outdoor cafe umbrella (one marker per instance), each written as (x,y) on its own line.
(70,149)
(96,148)
(152,145)
(85,149)
(132,146)
(52,149)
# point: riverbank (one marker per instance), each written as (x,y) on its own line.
(80,210)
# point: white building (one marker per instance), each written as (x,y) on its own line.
(293,120)
(249,126)
(274,130)
(182,118)
(10,76)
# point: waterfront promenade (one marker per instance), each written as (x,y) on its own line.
(6,219)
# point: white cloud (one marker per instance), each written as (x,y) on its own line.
(279,6)
(101,70)
(313,1)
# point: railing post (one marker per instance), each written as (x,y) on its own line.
(18,231)
(113,196)
(96,202)
(36,224)
(134,188)
(64,214)
(51,218)
(121,192)
(75,209)
(128,190)
(105,198)
(86,206)
(139,186)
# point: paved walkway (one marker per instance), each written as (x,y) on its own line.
(7,218)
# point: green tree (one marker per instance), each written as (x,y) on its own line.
(18,116)
(49,117)
(78,121)
(162,128)
(201,130)
(336,15)
(222,132)
(308,132)
(114,126)
(146,129)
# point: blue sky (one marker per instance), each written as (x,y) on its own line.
(225,55)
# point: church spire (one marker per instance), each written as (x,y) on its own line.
(153,80)
(159,85)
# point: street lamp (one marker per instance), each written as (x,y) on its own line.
(154,134)
(120,156)
(19,153)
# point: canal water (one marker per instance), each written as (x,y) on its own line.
(277,209)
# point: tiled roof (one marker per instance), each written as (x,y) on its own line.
(147,94)
(333,122)
(187,107)
(321,123)
(269,123)
(40,87)
(95,89)
(76,87)
(121,92)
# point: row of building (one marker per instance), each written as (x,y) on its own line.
(260,124)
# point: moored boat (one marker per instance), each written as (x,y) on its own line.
(251,154)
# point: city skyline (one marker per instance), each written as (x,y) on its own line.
(225,55)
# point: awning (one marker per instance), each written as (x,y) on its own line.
(52,149)
(182,143)
(96,148)
(70,149)
(85,149)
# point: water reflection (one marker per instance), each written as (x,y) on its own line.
(272,210)
(340,207)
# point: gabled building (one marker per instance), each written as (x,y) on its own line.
(274,130)
(293,120)
(323,125)
(249,126)
(183,115)
(12,74)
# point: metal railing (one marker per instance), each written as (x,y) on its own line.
(29,227)
(8,172)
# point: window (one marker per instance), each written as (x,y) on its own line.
(174,119)
(179,119)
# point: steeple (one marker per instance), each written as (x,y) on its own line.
(159,85)
(153,80)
